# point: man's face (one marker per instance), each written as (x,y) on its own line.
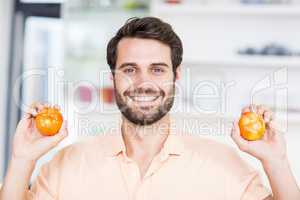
(144,80)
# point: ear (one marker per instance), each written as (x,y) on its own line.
(178,73)
(111,76)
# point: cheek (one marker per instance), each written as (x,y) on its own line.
(167,85)
(122,83)
(168,90)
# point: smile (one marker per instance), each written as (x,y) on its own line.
(143,98)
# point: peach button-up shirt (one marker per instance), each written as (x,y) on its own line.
(187,167)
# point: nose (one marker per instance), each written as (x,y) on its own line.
(144,84)
(142,79)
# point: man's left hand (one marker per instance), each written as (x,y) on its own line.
(271,148)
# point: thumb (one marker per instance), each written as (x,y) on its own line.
(235,135)
(24,124)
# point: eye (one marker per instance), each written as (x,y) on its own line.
(157,70)
(130,70)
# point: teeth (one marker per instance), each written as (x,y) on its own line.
(144,98)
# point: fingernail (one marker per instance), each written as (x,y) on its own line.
(34,112)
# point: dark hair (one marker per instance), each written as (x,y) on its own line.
(148,28)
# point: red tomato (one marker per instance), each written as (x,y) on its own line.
(252,126)
(49,121)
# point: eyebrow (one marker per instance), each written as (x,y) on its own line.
(134,64)
(127,64)
(160,64)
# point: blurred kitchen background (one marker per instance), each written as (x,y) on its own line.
(235,52)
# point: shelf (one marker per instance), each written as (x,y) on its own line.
(280,118)
(97,14)
(234,9)
(246,61)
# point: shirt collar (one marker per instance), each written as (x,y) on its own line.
(115,143)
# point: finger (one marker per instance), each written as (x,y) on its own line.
(47,105)
(33,105)
(32,109)
(27,115)
(24,124)
(246,109)
(31,112)
(271,126)
(261,109)
(235,135)
(266,108)
(56,106)
(41,106)
(37,106)
(268,116)
(250,108)
(278,136)
(269,132)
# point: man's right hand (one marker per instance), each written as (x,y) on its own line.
(28,143)
(28,146)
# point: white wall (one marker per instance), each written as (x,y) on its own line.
(5,22)
(211,36)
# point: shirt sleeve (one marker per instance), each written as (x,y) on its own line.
(46,185)
(245,181)
(254,189)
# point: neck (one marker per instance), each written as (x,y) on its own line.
(145,140)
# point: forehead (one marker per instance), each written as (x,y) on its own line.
(142,50)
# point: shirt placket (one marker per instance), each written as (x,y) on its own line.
(156,164)
(132,177)
(145,191)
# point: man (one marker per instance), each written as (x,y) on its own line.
(146,158)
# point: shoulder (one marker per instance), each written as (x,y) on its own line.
(217,154)
(206,146)
(87,149)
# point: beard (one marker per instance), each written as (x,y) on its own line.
(145,115)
